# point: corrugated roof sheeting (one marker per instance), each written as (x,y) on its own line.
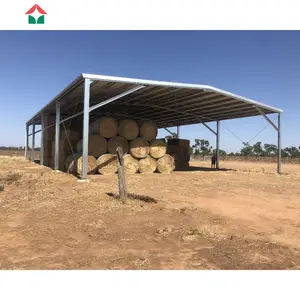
(167,104)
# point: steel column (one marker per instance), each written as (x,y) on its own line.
(218,145)
(42,140)
(178,131)
(33,142)
(57,135)
(85,138)
(279,145)
(26,141)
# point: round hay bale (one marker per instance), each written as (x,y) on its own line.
(148,131)
(107,164)
(166,164)
(105,126)
(97,145)
(131,165)
(139,148)
(92,165)
(158,148)
(115,142)
(128,129)
(147,165)
(71,163)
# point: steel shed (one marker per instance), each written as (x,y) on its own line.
(168,104)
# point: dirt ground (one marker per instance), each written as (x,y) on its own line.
(244,216)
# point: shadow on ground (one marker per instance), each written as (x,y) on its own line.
(203,169)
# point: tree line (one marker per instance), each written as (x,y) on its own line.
(202,147)
(17,148)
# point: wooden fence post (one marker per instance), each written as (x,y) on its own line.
(121,175)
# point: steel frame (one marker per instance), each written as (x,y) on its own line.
(218,145)
(86,112)
(278,129)
(42,140)
(57,135)
(217,134)
(34,132)
(26,140)
(88,79)
(33,142)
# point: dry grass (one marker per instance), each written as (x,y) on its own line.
(131,196)
(206,231)
(11,178)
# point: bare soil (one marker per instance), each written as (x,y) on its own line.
(244,216)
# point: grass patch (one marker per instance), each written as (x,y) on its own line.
(207,232)
(10,178)
(131,196)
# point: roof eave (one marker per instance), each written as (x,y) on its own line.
(208,88)
(179,85)
(58,97)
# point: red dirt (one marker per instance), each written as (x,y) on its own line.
(245,218)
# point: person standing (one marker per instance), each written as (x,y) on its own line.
(213,160)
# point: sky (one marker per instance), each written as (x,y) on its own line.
(260,65)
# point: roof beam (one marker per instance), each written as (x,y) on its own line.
(198,110)
(116,97)
(170,122)
(35,132)
(268,120)
(169,131)
(177,97)
(105,102)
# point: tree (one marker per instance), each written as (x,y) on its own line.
(257,149)
(292,151)
(173,136)
(222,152)
(201,147)
(284,153)
(247,150)
(270,149)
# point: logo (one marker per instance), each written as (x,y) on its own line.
(36,15)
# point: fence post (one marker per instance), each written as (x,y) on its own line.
(121,175)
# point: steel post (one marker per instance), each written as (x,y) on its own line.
(57,135)
(218,145)
(178,131)
(85,137)
(279,145)
(42,140)
(33,142)
(26,141)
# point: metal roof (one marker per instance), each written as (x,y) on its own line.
(168,104)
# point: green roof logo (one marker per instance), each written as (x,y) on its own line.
(36,15)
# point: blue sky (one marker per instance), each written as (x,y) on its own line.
(261,65)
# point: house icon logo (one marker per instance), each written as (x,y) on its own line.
(36,15)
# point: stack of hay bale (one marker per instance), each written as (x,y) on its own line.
(142,151)
(67,142)
(179,150)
